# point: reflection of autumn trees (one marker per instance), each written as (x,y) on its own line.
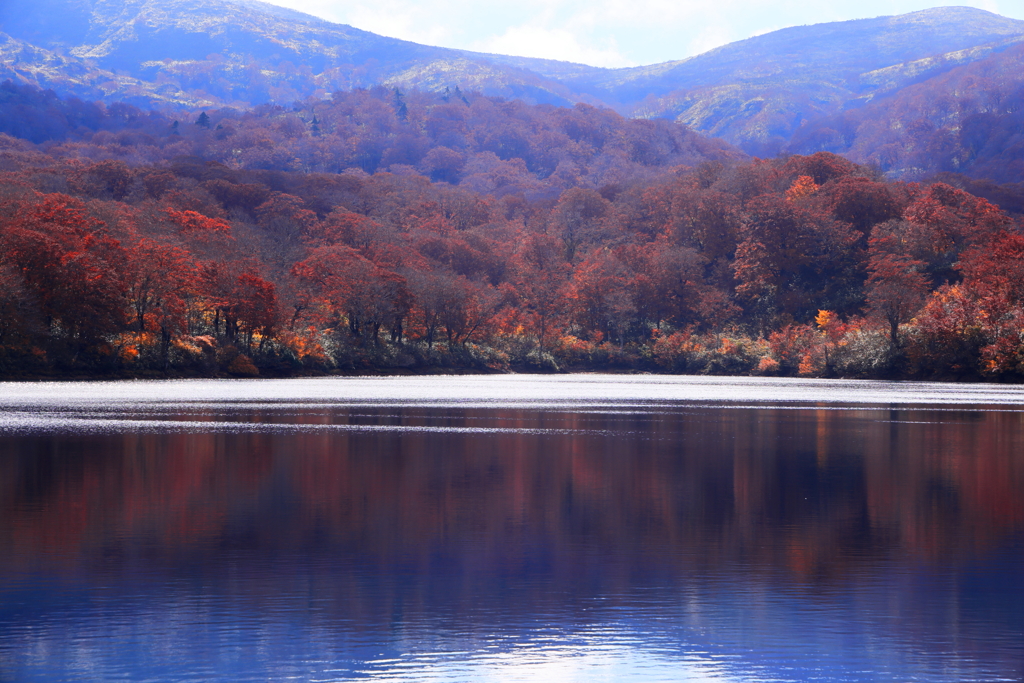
(814,491)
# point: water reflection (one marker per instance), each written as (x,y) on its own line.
(420,543)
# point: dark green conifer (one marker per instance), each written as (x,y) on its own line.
(400,109)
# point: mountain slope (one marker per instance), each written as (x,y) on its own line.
(757,93)
(845,50)
(239,53)
(23,62)
(969,120)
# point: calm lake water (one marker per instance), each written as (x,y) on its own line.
(573,528)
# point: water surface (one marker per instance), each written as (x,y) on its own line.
(573,528)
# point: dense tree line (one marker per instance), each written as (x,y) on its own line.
(537,238)
(482,142)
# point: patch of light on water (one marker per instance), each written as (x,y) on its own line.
(599,658)
(505,391)
(189,405)
(59,422)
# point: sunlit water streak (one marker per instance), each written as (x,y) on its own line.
(234,644)
(567,391)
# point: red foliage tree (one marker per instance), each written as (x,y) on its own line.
(71,266)
(253,305)
(600,296)
(792,262)
(342,287)
(946,222)
(158,279)
(538,274)
(896,286)
(578,219)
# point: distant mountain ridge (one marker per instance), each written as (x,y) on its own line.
(201,53)
(967,120)
(759,94)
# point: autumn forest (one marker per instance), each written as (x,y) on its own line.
(382,231)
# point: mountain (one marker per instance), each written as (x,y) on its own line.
(968,120)
(202,53)
(789,90)
(756,93)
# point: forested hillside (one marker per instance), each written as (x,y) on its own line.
(914,94)
(449,136)
(758,93)
(969,120)
(389,232)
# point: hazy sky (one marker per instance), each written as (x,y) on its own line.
(603,32)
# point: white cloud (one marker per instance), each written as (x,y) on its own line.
(549,43)
(708,39)
(399,19)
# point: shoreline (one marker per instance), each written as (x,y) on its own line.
(481,372)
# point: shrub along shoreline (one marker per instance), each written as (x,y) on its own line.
(795,351)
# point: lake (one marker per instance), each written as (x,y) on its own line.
(511,528)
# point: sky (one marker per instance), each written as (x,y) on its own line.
(607,33)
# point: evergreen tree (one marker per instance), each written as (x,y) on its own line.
(400,108)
